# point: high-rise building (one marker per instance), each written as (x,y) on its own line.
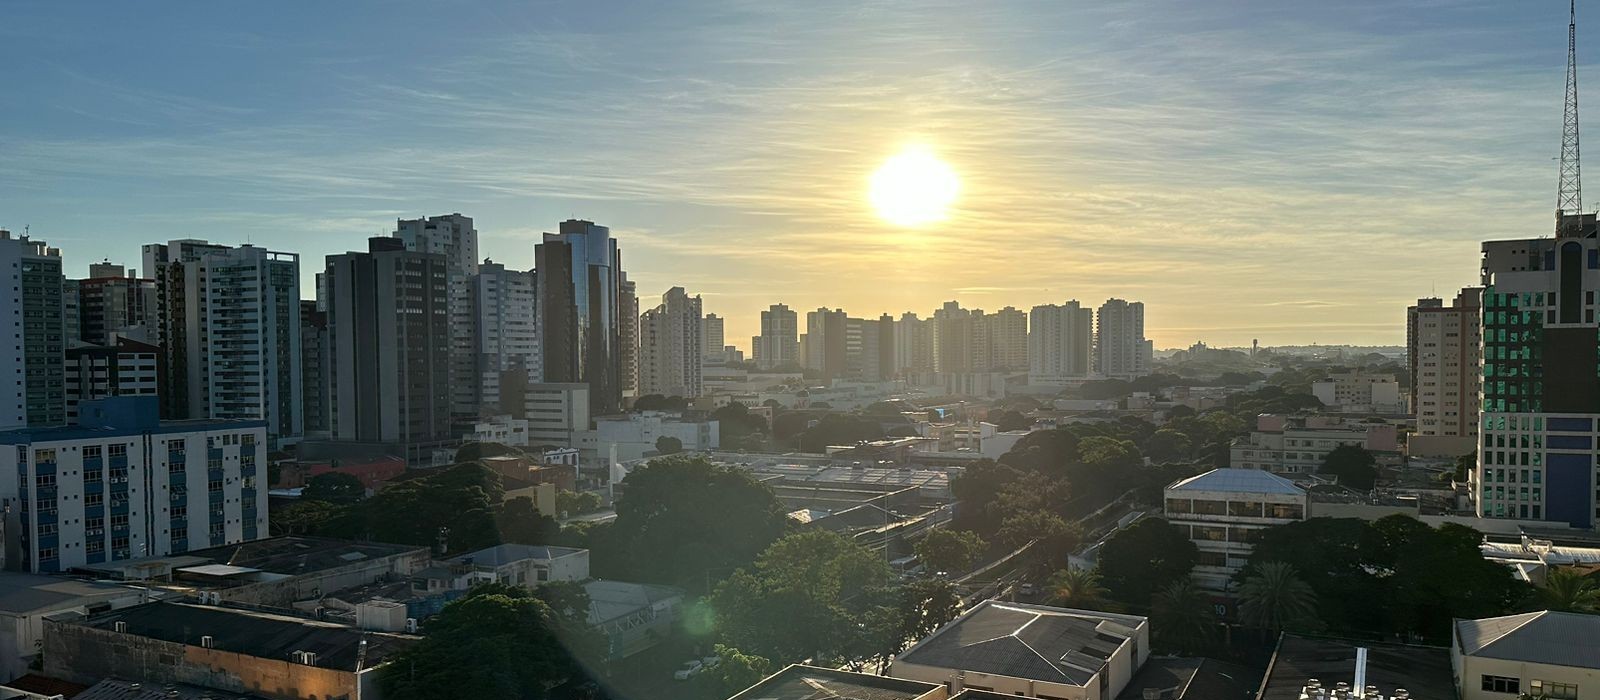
(1120,348)
(165,263)
(115,306)
(32,361)
(453,237)
(711,335)
(952,338)
(125,368)
(826,342)
(389,327)
(869,348)
(123,485)
(316,352)
(1537,456)
(779,342)
(671,347)
(913,345)
(1442,353)
(242,318)
(1006,337)
(628,336)
(505,342)
(71,316)
(1060,342)
(580,321)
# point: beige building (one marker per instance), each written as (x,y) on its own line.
(671,347)
(1298,444)
(1031,651)
(1547,654)
(1359,392)
(1445,358)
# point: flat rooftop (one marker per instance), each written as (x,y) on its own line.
(1034,642)
(248,561)
(253,633)
(21,594)
(1192,678)
(1423,671)
(812,683)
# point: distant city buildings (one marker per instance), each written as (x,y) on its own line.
(124,368)
(671,348)
(779,342)
(1445,360)
(581,285)
(453,237)
(503,340)
(36,353)
(1060,343)
(1120,348)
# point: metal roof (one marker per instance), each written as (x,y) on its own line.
(1547,637)
(1239,481)
(1033,642)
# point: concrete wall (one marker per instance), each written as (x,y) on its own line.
(85,655)
(1470,671)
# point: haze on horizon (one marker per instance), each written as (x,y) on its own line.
(1248,170)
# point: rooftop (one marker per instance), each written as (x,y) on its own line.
(812,683)
(1238,481)
(609,600)
(1191,678)
(1423,671)
(502,554)
(21,593)
(1035,642)
(253,633)
(1546,637)
(257,559)
(114,689)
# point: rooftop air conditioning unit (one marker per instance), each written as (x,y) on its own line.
(411,625)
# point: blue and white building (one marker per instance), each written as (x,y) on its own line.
(122,485)
(1224,512)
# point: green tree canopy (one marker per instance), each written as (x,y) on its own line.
(657,402)
(1353,464)
(334,487)
(1183,619)
(1275,598)
(1169,446)
(945,549)
(1568,590)
(1144,558)
(1076,587)
(683,520)
(668,445)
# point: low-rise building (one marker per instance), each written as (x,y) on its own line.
(526,565)
(372,473)
(1307,668)
(1298,445)
(125,368)
(800,682)
(503,430)
(1543,654)
(1359,392)
(1224,511)
(1030,650)
(27,599)
(238,651)
(632,616)
(631,436)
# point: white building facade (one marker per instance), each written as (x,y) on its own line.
(1120,348)
(1060,343)
(671,347)
(1224,511)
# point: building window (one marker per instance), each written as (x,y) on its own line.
(1177,505)
(1554,691)
(1502,684)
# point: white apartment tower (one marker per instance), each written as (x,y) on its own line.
(505,342)
(32,358)
(1006,338)
(1060,342)
(671,346)
(1120,348)
(913,345)
(242,337)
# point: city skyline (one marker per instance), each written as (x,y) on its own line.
(1275,178)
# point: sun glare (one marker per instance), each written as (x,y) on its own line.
(913,188)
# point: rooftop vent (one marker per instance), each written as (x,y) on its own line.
(208,642)
(119,626)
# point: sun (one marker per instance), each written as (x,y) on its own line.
(914,188)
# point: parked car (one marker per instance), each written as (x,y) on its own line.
(690,670)
(1028,589)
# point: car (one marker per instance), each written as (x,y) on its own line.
(690,670)
(710,662)
(1028,589)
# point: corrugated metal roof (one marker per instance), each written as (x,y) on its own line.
(1239,481)
(1547,637)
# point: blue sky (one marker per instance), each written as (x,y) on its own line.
(1293,172)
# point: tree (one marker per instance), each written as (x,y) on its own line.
(1106,454)
(1053,538)
(1276,599)
(977,490)
(521,523)
(683,521)
(1145,558)
(668,445)
(1168,445)
(1076,587)
(1010,420)
(1182,618)
(303,517)
(1568,590)
(496,642)
(334,487)
(733,672)
(461,499)
(1353,464)
(657,402)
(577,502)
(838,429)
(945,549)
(810,594)
(1044,451)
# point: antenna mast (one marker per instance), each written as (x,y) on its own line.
(1569,197)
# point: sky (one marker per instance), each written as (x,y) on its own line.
(1253,169)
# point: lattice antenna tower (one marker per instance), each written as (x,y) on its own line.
(1569,195)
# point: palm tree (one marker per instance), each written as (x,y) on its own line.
(1567,590)
(1275,598)
(1182,617)
(1077,588)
